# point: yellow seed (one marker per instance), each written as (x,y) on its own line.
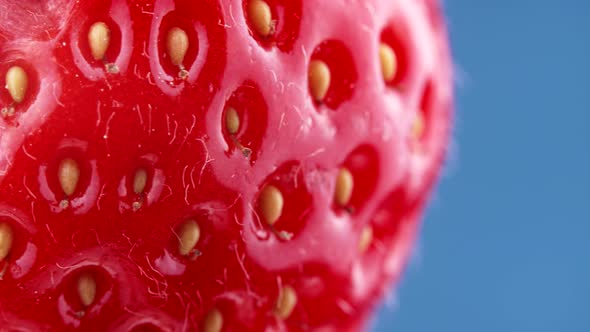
(261,17)
(418,126)
(388,62)
(344,186)
(17,83)
(213,321)
(68,175)
(319,79)
(189,234)
(140,181)
(99,38)
(286,302)
(270,204)
(87,289)
(366,238)
(6,238)
(177,45)
(232,120)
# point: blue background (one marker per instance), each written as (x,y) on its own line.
(506,241)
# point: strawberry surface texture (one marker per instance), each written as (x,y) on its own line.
(214,165)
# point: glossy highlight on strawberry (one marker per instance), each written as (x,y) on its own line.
(240,165)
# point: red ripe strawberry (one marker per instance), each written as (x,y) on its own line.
(239,165)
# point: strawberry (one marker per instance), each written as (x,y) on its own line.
(240,165)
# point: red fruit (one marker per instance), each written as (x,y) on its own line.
(181,165)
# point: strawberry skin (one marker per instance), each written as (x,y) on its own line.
(239,165)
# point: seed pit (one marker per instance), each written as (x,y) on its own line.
(206,55)
(317,294)
(394,55)
(86,289)
(362,163)
(97,42)
(284,201)
(332,89)
(18,252)
(244,121)
(70,180)
(100,39)
(391,218)
(142,185)
(274,22)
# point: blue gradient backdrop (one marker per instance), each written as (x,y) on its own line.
(506,241)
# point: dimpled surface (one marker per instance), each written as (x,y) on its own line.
(136,110)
